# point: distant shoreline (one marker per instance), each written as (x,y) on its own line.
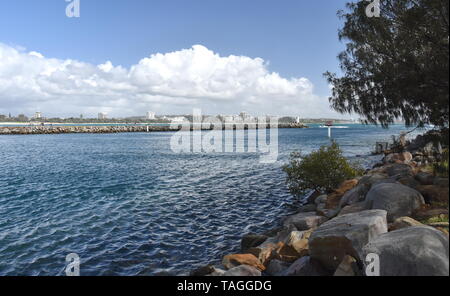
(98,128)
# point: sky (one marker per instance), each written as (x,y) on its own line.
(127,57)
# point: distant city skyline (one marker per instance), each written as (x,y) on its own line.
(262,61)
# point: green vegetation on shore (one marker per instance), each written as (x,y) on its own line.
(322,170)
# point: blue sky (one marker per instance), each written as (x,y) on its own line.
(297,38)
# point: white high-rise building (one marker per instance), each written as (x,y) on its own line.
(151,115)
(102,115)
(38,115)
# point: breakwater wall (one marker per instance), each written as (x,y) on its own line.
(50,129)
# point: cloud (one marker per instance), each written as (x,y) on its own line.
(167,83)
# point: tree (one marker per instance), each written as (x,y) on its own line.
(395,66)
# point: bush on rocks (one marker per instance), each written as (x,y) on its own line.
(322,170)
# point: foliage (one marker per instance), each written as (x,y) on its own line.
(395,66)
(322,170)
(436,219)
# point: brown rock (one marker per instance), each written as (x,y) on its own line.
(286,253)
(231,261)
(264,253)
(347,267)
(334,198)
(299,240)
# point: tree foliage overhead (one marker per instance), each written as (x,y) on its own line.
(395,66)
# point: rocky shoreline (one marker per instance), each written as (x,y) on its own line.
(111,129)
(396,216)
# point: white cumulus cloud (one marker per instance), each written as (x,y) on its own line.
(166,83)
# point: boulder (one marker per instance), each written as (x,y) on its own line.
(333,199)
(411,251)
(276,267)
(243,270)
(404,222)
(355,195)
(311,199)
(285,253)
(404,157)
(306,266)
(374,179)
(203,271)
(321,199)
(354,208)
(398,200)
(299,240)
(217,272)
(308,208)
(327,213)
(346,235)
(231,261)
(399,170)
(425,178)
(304,221)
(409,181)
(434,194)
(251,241)
(348,267)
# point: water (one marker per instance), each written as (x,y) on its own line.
(127,205)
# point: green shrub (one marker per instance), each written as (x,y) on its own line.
(322,170)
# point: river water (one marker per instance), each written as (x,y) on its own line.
(128,205)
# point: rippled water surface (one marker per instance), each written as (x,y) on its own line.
(129,206)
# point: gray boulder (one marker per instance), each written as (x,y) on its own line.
(425,178)
(346,235)
(304,221)
(354,195)
(412,251)
(354,208)
(371,180)
(243,270)
(397,199)
(251,241)
(276,267)
(306,266)
(399,170)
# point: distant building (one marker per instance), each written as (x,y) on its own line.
(245,116)
(2,117)
(22,117)
(297,120)
(151,115)
(102,116)
(38,115)
(178,119)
